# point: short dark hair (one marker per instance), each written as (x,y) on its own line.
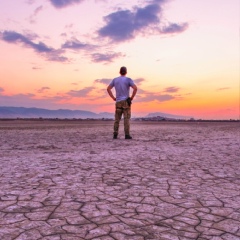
(123,70)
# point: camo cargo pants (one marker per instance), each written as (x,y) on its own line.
(122,108)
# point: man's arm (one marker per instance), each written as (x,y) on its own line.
(110,92)
(134,87)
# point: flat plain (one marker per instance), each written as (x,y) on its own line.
(70,180)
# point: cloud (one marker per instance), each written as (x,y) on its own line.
(160,98)
(36,12)
(222,89)
(76,45)
(48,52)
(107,57)
(139,81)
(1,90)
(30,2)
(55,56)
(146,16)
(119,26)
(105,81)
(124,25)
(166,95)
(64,3)
(52,54)
(174,28)
(43,89)
(14,37)
(80,93)
(149,97)
(36,68)
(141,92)
(171,89)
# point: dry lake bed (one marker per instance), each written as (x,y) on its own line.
(70,180)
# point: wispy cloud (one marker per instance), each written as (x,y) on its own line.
(139,81)
(80,93)
(166,94)
(154,97)
(124,25)
(41,48)
(43,89)
(173,28)
(171,89)
(34,15)
(36,68)
(105,57)
(64,3)
(15,37)
(56,56)
(222,89)
(30,2)
(105,81)
(37,10)
(75,44)
(1,90)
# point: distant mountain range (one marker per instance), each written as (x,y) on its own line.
(166,115)
(22,112)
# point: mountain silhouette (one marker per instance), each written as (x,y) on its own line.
(23,112)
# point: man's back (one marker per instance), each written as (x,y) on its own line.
(122,85)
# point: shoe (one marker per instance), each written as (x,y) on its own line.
(115,136)
(128,137)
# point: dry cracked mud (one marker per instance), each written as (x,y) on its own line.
(70,180)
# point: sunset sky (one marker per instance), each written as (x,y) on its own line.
(182,54)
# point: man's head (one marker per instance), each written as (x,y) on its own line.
(123,70)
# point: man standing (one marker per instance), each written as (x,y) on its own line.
(122,86)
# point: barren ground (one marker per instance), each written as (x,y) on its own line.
(71,180)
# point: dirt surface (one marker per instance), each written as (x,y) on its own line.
(71,180)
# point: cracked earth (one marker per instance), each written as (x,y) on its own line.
(70,180)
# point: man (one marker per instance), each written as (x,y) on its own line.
(122,86)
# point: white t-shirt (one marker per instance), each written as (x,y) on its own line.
(122,85)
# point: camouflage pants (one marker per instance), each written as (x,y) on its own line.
(122,108)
